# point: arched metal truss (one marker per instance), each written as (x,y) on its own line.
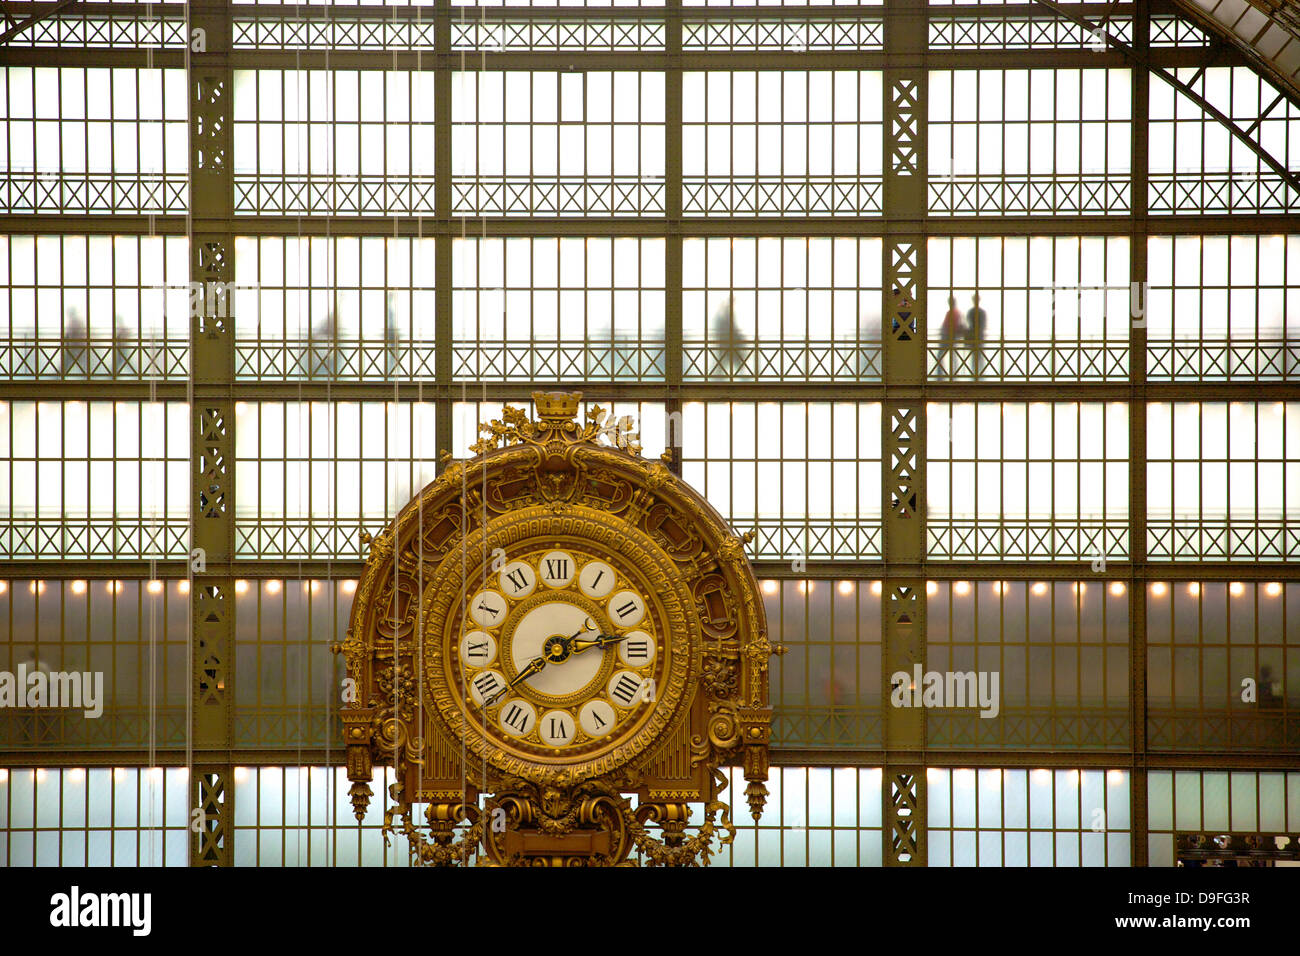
(1267,32)
(1188,89)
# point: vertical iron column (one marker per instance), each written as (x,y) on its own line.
(212,414)
(903,425)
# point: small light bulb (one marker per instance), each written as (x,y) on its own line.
(1159,589)
(877,587)
(931,588)
(1193,589)
(241,586)
(78,587)
(155,587)
(962,588)
(1039,588)
(273,586)
(1273,589)
(846,588)
(1236,589)
(769,586)
(1117,588)
(183,586)
(350,586)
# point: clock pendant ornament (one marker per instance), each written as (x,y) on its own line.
(546,630)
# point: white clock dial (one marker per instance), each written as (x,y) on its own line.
(487,608)
(597,718)
(626,609)
(637,649)
(517,717)
(557,728)
(597,579)
(548,620)
(485,685)
(478,649)
(557,569)
(625,688)
(518,580)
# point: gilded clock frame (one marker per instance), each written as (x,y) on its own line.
(540,484)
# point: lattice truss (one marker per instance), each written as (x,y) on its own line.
(785,35)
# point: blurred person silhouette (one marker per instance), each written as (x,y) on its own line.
(948,332)
(321,361)
(1270,696)
(729,343)
(974,334)
(76,344)
(869,348)
(123,349)
(1291,348)
(392,337)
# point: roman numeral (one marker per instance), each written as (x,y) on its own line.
(595,715)
(626,609)
(557,568)
(484,606)
(626,688)
(476,650)
(638,649)
(486,683)
(558,730)
(516,717)
(596,583)
(518,579)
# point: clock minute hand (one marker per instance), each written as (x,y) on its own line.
(534,667)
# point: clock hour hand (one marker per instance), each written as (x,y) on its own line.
(534,666)
(600,640)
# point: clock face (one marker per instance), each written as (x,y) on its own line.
(560,654)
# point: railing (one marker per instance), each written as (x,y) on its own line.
(1030,361)
(94,359)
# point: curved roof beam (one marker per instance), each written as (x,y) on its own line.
(1267,32)
(1265,157)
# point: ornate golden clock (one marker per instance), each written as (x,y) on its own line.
(555,626)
